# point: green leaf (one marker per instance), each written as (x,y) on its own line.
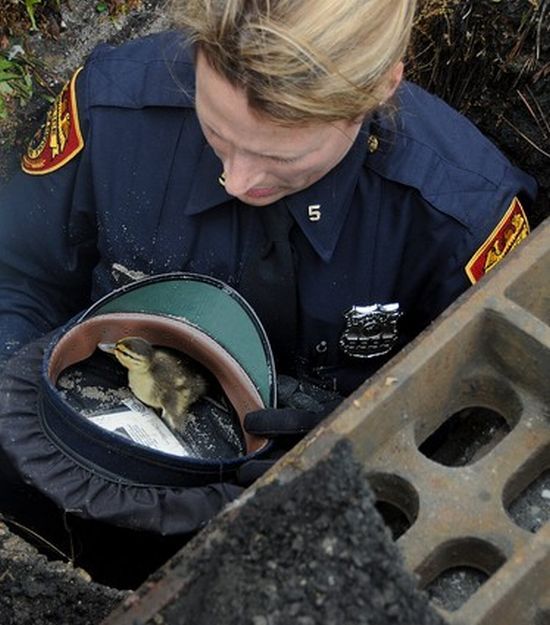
(5,63)
(9,70)
(30,4)
(3,110)
(5,77)
(6,89)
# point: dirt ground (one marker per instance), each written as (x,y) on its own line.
(82,29)
(488,58)
(35,591)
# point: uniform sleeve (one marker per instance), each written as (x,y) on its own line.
(467,255)
(465,204)
(47,231)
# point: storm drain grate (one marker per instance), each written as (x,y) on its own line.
(455,437)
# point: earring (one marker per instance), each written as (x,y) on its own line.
(221,179)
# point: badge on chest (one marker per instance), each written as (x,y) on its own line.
(370,330)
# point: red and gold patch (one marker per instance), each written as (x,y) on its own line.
(59,139)
(510,232)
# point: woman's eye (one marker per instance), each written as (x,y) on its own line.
(215,140)
(283,160)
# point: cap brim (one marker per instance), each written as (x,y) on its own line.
(212,307)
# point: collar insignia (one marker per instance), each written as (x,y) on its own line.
(370,330)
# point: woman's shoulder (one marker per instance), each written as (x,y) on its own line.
(429,146)
(156,70)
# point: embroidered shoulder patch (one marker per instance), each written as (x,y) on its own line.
(59,139)
(510,232)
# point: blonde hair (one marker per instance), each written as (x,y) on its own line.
(302,61)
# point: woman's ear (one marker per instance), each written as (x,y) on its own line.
(395,76)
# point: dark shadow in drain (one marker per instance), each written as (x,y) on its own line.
(457,569)
(394,518)
(531,508)
(396,500)
(465,437)
(453,587)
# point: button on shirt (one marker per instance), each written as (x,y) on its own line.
(393,224)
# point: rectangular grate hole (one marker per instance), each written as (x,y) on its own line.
(531,509)
(465,437)
(453,587)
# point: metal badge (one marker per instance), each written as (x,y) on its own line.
(370,330)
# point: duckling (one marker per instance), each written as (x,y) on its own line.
(159,377)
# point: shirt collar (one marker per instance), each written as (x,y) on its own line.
(320,210)
(206,191)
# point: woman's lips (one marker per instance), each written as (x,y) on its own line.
(261,192)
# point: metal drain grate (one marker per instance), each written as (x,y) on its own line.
(455,434)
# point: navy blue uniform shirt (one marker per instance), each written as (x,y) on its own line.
(395,222)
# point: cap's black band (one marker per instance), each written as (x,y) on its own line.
(121,460)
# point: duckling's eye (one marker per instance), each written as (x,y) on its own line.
(126,353)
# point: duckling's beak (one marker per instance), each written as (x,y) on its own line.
(107,347)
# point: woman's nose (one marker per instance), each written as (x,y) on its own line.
(242,173)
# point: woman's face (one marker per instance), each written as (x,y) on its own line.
(262,160)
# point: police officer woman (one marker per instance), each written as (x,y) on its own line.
(272,144)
